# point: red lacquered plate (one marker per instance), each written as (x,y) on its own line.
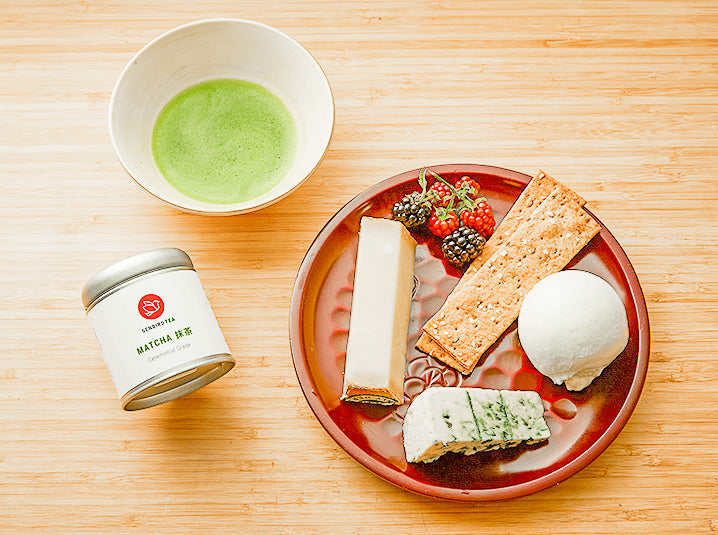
(582,424)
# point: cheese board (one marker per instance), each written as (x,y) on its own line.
(582,424)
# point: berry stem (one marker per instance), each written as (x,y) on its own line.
(461,193)
(440,179)
(422,181)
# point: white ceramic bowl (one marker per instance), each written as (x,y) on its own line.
(211,49)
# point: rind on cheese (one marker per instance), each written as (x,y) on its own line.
(468,420)
(381,305)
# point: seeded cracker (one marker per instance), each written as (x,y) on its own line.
(536,191)
(533,194)
(477,313)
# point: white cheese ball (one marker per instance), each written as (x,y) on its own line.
(572,324)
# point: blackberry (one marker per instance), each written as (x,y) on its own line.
(412,210)
(462,246)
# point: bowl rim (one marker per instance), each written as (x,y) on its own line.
(230,208)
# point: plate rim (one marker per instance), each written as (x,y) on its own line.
(454,494)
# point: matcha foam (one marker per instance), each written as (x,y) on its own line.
(224,141)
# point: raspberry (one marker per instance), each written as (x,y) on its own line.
(440,194)
(480,218)
(443,222)
(462,246)
(470,186)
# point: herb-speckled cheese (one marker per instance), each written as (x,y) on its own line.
(469,420)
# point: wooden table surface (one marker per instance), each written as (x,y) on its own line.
(618,99)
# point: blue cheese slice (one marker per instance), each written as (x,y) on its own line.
(379,323)
(438,421)
(524,416)
(468,420)
(489,416)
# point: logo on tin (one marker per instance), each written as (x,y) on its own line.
(151,306)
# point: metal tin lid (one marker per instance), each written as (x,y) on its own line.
(129,268)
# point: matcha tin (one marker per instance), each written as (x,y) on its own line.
(156,329)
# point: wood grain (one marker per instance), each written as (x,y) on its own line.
(617,99)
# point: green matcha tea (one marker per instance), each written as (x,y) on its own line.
(224,141)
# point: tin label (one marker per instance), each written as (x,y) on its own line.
(154,325)
(151,306)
